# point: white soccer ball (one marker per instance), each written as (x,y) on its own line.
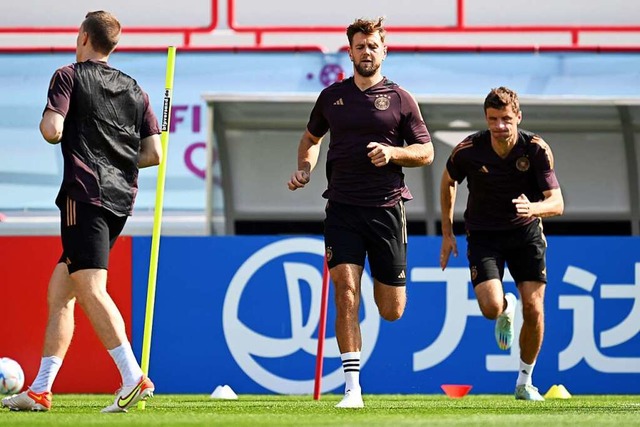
(11,376)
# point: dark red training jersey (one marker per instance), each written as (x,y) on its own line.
(106,114)
(383,113)
(59,96)
(493,181)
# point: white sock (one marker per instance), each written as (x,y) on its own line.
(510,305)
(525,372)
(351,368)
(127,364)
(49,367)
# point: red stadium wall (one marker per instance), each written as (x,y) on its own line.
(26,264)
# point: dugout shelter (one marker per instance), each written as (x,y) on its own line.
(595,142)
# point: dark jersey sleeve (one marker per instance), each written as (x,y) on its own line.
(412,127)
(455,172)
(543,165)
(318,124)
(150,121)
(456,161)
(60,88)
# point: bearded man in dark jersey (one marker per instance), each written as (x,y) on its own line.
(512,186)
(376,129)
(107,131)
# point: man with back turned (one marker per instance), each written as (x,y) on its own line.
(107,131)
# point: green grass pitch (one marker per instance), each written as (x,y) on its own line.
(381,410)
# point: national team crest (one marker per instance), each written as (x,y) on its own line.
(474,272)
(382,102)
(523,164)
(329,253)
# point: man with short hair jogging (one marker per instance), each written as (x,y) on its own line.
(107,131)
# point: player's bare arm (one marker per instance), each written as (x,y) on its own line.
(150,151)
(413,155)
(448,190)
(51,126)
(552,205)
(308,152)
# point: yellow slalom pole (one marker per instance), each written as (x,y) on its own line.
(157,215)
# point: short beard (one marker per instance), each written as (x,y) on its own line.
(367,72)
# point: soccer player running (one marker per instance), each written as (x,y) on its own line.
(370,119)
(107,131)
(512,185)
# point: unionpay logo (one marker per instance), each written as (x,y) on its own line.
(281,285)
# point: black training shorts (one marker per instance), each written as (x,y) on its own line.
(353,232)
(523,249)
(88,233)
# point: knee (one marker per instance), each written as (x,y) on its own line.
(85,295)
(491,310)
(346,299)
(391,313)
(532,312)
(61,303)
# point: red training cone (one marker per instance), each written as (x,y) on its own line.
(456,391)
